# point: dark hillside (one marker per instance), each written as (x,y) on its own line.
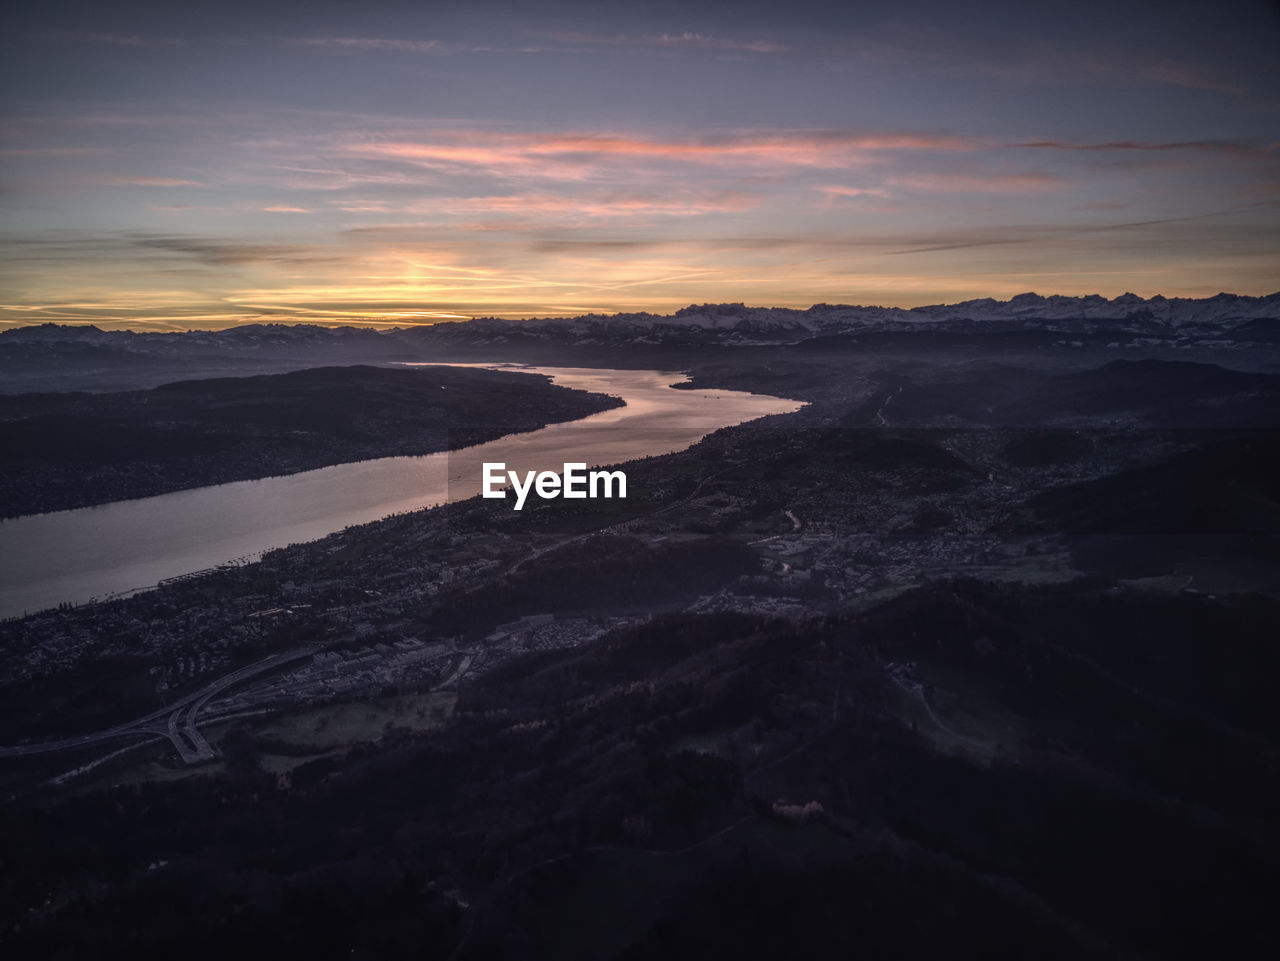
(71,450)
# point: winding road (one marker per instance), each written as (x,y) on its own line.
(176,721)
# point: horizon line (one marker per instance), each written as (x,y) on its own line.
(398,320)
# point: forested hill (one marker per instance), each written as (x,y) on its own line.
(60,451)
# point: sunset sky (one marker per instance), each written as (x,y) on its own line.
(177,165)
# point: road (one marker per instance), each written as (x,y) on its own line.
(795,528)
(881,421)
(177,721)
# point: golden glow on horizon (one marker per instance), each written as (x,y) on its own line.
(393,306)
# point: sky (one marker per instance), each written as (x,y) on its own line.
(170,166)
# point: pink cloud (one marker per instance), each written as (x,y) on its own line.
(536,209)
(834,195)
(603,206)
(575,156)
(363,206)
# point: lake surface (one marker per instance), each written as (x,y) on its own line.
(115,548)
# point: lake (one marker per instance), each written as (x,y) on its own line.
(95,552)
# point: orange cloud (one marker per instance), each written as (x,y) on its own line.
(610,205)
(833,193)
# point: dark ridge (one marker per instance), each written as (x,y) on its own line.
(66,450)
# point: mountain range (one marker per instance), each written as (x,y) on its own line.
(60,357)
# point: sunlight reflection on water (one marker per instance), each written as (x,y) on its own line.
(46,559)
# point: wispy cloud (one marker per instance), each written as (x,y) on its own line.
(152,248)
(223,253)
(577,156)
(663,41)
(134,40)
(1056,66)
(1036,64)
(1234,148)
(150,182)
(977,182)
(383,44)
(1188,75)
(839,195)
(839,190)
(112,39)
(54,152)
(600,205)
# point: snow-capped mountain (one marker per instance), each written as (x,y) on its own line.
(737,324)
(1224,320)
